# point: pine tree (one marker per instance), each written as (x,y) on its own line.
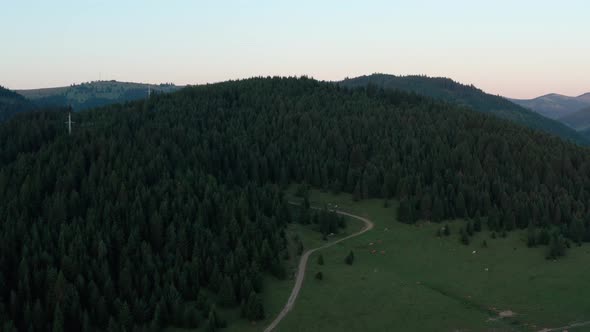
(38,315)
(58,320)
(543,237)
(320,259)
(556,246)
(477,223)
(227,297)
(577,230)
(356,196)
(299,248)
(125,316)
(254,308)
(464,237)
(349,258)
(531,236)
(469,228)
(437,209)
(212,320)
(460,209)
(447,230)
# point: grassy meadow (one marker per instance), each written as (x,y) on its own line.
(416,281)
(405,278)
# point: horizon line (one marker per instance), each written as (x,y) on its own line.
(296,76)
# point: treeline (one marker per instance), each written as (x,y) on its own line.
(156,213)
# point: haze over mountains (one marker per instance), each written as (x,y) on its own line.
(571,111)
(555,106)
(579,120)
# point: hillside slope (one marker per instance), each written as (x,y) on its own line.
(469,96)
(585,97)
(579,120)
(555,106)
(94,94)
(12,103)
(154,213)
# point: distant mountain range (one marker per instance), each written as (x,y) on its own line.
(555,106)
(468,96)
(579,120)
(94,94)
(571,111)
(101,93)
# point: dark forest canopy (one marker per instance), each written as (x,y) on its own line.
(469,96)
(153,206)
(12,103)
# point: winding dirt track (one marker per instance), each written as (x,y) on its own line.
(566,328)
(303,264)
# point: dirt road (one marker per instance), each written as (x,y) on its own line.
(303,264)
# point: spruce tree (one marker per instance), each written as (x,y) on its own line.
(447,230)
(320,259)
(464,237)
(212,320)
(227,297)
(58,320)
(531,236)
(349,258)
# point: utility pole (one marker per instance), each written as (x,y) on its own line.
(69,122)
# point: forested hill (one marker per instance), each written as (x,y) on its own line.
(156,212)
(12,103)
(468,95)
(94,94)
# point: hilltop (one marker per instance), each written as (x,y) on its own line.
(94,94)
(468,96)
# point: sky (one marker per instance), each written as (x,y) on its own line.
(516,48)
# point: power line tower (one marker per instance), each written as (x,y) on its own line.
(69,122)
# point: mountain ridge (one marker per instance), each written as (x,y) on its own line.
(94,94)
(555,105)
(469,96)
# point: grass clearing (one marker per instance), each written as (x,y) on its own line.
(417,282)
(276,292)
(404,278)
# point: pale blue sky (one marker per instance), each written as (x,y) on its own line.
(515,48)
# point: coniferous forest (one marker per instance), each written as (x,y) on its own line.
(155,213)
(12,103)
